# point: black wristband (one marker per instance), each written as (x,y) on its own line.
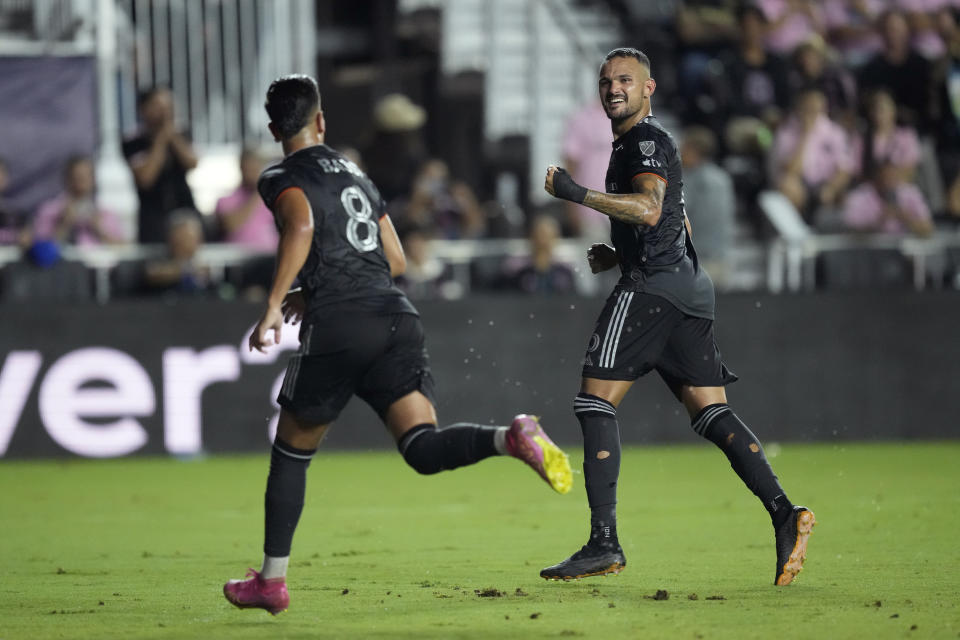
(564,187)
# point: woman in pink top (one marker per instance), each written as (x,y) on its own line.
(243,216)
(792,22)
(811,155)
(884,142)
(887,204)
(74,217)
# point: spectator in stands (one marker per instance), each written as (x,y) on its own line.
(541,272)
(180,271)
(753,90)
(75,216)
(884,141)
(887,204)
(426,277)
(851,29)
(926,38)
(159,157)
(811,158)
(586,154)
(946,81)
(710,201)
(10,225)
(397,150)
(813,67)
(792,22)
(706,31)
(244,218)
(441,204)
(901,71)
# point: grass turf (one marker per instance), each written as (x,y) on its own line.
(140,548)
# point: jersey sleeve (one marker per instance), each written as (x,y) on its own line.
(648,152)
(273,182)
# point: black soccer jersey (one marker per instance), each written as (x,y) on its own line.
(346,269)
(661,259)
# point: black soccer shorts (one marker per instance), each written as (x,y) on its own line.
(638,332)
(378,358)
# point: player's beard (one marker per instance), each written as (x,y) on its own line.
(624,114)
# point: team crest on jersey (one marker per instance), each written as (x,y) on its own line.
(646,147)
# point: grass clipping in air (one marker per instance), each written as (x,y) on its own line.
(141,548)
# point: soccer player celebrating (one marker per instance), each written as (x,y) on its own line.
(359,335)
(659,316)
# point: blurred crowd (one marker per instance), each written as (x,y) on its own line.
(849,108)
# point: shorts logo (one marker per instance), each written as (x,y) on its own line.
(646,147)
(594,343)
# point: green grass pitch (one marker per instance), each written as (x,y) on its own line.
(140,549)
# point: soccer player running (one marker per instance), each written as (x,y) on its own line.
(359,335)
(659,316)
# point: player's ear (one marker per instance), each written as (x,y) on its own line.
(649,87)
(273,131)
(321,122)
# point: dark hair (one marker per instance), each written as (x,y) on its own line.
(628,52)
(291,100)
(745,10)
(74,160)
(147,94)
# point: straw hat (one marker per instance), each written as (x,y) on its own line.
(395,112)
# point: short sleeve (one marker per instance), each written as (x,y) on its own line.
(273,182)
(647,152)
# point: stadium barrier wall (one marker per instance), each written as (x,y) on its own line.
(154,377)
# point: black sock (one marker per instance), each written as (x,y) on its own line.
(430,450)
(721,426)
(601,464)
(283,502)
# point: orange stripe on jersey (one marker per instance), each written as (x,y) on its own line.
(649,173)
(280,195)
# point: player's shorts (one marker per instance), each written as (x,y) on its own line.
(379,358)
(639,332)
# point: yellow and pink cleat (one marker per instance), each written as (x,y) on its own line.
(527,441)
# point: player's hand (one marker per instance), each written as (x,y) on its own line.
(601,257)
(548,181)
(272,319)
(293,306)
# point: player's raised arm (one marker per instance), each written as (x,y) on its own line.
(296,235)
(392,247)
(643,206)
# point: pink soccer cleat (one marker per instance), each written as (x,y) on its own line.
(527,441)
(258,592)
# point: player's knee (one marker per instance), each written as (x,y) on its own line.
(418,449)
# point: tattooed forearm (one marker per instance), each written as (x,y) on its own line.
(643,206)
(632,208)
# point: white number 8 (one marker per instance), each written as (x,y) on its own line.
(357,206)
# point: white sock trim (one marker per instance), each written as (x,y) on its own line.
(500,440)
(274,567)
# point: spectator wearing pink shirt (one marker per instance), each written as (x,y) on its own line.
(792,22)
(74,217)
(586,154)
(851,29)
(887,204)
(244,218)
(884,142)
(811,156)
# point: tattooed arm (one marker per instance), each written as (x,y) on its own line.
(643,206)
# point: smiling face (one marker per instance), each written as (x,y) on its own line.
(625,88)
